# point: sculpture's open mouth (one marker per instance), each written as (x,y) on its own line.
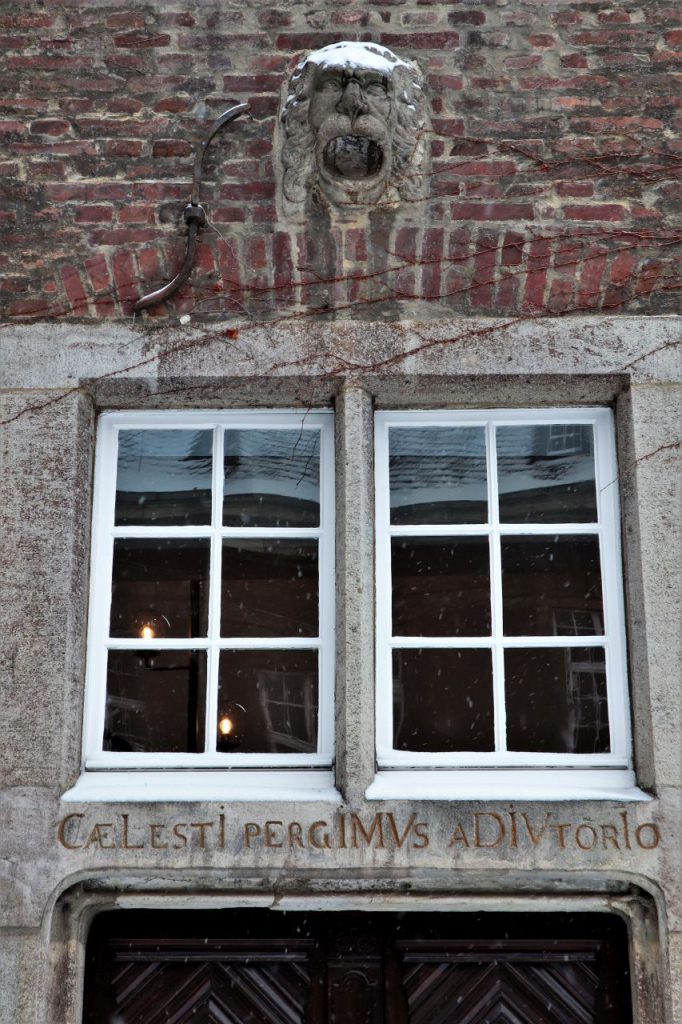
(353,156)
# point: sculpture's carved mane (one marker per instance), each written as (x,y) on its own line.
(408,139)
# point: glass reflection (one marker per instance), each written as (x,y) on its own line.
(556,700)
(541,575)
(160,588)
(546,473)
(163,477)
(437,475)
(443,700)
(440,587)
(267,702)
(272,478)
(156,702)
(270,588)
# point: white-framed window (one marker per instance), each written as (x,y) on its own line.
(501,660)
(211,634)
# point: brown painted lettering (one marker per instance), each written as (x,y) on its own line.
(536,837)
(180,835)
(251,831)
(201,826)
(609,834)
(342,832)
(296,835)
(221,831)
(626,829)
(458,835)
(585,828)
(560,830)
(99,835)
(421,832)
(154,835)
(63,826)
(269,834)
(513,834)
(398,837)
(313,837)
(478,842)
(367,834)
(125,845)
(655,835)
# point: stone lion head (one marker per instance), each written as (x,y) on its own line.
(354,128)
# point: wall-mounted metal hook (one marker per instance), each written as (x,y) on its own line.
(194,214)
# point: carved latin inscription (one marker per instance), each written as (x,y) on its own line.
(479,830)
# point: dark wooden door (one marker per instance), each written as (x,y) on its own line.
(272,968)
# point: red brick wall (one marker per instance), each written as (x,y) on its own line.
(553,180)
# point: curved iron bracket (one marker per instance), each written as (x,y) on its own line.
(194,214)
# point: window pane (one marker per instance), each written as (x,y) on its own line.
(270,588)
(437,475)
(443,700)
(156,702)
(546,473)
(542,575)
(163,477)
(556,700)
(440,587)
(160,588)
(272,478)
(267,702)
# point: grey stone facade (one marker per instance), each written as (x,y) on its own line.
(61,862)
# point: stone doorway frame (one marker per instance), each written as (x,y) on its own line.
(67,925)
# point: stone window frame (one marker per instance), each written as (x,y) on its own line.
(115,776)
(506,775)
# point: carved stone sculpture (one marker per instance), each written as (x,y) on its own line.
(354,128)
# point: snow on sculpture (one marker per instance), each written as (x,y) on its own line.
(354,128)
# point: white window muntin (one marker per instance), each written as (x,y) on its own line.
(606,529)
(104,534)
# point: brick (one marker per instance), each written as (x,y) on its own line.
(125,19)
(248,84)
(560,295)
(98,273)
(73,286)
(621,37)
(599,211)
(125,278)
(12,128)
(491,211)
(575,189)
(172,105)
(283,270)
(622,268)
(507,293)
(431,255)
(590,278)
(421,40)
(165,148)
(466,17)
(141,40)
(541,39)
(122,236)
(485,259)
(536,278)
(512,249)
(230,266)
(150,264)
(94,214)
(123,148)
(136,215)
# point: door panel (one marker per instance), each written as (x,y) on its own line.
(261,967)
